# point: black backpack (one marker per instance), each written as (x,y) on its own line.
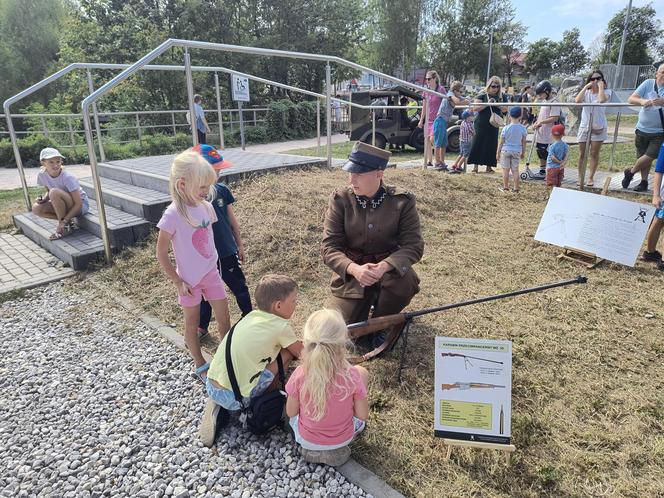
(264,412)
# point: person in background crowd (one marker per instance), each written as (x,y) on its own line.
(649,133)
(430,106)
(485,142)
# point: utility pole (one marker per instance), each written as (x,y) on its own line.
(618,76)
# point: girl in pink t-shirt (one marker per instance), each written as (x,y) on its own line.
(187,225)
(327,397)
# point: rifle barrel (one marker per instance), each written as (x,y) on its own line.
(578,280)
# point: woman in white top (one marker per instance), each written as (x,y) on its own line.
(594,91)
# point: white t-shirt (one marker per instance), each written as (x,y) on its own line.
(599,117)
(544,132)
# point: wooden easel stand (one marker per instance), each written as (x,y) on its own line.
(507,448)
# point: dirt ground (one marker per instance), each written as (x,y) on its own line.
(588,398)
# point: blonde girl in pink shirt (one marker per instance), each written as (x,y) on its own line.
(327,396)
(186,225)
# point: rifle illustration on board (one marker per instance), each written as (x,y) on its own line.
(464,386)
(399,323)
(466,359)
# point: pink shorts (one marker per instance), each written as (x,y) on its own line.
(430,129)
(211,287)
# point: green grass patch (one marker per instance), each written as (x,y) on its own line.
(12,202)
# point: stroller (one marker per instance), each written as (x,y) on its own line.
(528,174)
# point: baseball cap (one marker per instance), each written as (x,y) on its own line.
(49,152)
(213,156)
(465,114)
(515,112)
(558,130)
(365,158)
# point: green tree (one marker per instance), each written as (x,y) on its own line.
(643,40)
(571,56)
(28,42)
(541,55)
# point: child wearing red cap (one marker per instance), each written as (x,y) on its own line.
(556,158)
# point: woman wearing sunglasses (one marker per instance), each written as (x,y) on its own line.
(594,91)
(485,143)
(430,107)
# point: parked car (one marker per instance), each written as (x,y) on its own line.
(393,126)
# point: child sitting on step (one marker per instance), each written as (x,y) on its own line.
(64,199)
(327,396)
(187,225)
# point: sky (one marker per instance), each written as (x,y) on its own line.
(550,19)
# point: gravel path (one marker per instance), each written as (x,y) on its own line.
(93,404)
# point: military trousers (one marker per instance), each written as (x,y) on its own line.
(385,302)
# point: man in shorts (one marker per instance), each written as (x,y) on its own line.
(649,132)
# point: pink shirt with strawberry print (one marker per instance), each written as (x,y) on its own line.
(195,254)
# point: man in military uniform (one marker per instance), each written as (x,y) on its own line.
(371,240)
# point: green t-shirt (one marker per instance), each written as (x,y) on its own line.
(257,339)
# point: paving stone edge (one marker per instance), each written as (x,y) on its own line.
(351,470)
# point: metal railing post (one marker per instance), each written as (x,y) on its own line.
(615,139)
(373,127)
(102,153)
(328,111)
(586,146)
(254,117)
(190,96)
(230,118)
(175,130)
(101,209)
(17,157)
(71,132)
(219,116)
(239,110)
(44,127)
(138,130)
(318,127)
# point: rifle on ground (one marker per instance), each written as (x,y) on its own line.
(395,325)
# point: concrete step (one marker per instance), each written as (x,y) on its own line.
(132,176)
(124,228)
(139,201)
(77,249)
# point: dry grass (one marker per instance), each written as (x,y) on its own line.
(588,402)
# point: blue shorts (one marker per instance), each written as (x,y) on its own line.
(85,206)
(226,398)
(464,148)
(439,133)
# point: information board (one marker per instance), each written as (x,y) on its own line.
(607,227)
(473,390)
(240,88)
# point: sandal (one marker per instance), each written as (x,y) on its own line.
(198,373)
(60,232)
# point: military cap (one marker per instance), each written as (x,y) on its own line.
(365,158)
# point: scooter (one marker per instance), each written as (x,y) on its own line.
(528,173)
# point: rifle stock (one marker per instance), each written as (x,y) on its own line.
(372,325)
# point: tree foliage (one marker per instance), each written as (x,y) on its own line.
(644,36)
(571,57)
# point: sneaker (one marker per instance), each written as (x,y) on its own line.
(440,167)
(654,256)
(627,178)
(542,172)
(334,458)
(503,189)
(214,418)
(642,186)
(660,266)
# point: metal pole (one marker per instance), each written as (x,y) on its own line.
(318,127)
(175,130)
(582,166)
(618,75)
(255,118)
(328,111)
(44,127)
(96,181)
(373,127)
(239,109)
(19,163)
(615,139)
(102,154)
(190,96)
(488,64)
(219,116)
(71,132)
(138,129)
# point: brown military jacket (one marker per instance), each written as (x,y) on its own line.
(393,227)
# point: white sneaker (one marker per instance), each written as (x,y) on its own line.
(208,428)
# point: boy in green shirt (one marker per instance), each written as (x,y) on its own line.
(258,338)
